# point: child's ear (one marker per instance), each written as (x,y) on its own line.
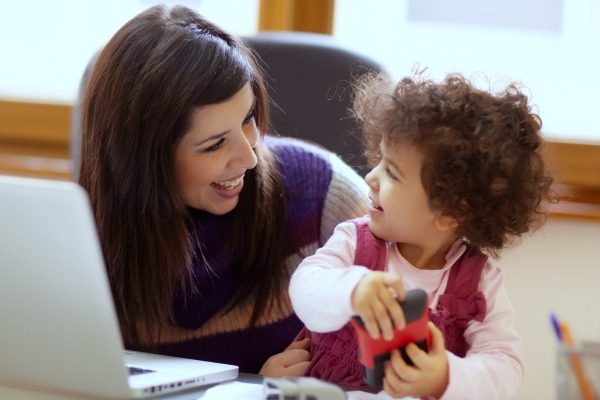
(445,223)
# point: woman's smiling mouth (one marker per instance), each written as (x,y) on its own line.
(229,184)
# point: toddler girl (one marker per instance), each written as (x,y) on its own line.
(458,176)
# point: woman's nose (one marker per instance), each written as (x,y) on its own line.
(246,154)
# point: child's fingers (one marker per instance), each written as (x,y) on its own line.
(395,387)
(393,308)
(404,371)
(393,382)
(420,358)
(394,282)
(437,340)
(417,356)
(368,318)
(383,319)
(395,291)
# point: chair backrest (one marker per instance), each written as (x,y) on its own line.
(309,78)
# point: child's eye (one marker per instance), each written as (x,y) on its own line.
(215,146)
(390,173)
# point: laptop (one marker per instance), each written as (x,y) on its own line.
(58,325)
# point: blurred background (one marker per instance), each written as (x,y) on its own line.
(549,46)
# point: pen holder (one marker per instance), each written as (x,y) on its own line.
(578,372)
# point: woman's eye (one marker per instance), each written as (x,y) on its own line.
(249,118)
(215,146)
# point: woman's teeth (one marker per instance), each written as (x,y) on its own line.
(229,185)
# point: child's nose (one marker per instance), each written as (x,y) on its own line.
(371,179)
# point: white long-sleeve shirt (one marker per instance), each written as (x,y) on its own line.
(321,289)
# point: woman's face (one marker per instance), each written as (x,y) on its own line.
(215,153)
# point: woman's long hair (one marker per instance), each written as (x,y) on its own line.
(137,105)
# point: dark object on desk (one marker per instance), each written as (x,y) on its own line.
(374,352)
(301,388)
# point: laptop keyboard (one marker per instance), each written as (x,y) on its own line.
(138,371)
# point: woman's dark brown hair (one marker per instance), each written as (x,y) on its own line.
(137,105)
(482,162)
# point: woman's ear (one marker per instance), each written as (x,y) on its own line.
(445,223)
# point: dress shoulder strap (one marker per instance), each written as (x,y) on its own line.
(370,250)
(462,301)
(466,273)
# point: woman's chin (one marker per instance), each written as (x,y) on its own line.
(224,207)
(217,206)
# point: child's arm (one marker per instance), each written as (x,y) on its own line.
(327,289)
(322,285)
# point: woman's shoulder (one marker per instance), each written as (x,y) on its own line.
(306,158)
(301,164)
(285,147)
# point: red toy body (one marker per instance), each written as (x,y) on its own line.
(374,352)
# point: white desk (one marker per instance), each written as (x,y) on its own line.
(16,393)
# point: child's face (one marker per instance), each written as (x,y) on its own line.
(399,205)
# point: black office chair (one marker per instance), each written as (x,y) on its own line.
(309,79)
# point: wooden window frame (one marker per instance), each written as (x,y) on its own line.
(34,141)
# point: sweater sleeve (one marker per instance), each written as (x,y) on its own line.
(321,286)
(493,366)
(347,197)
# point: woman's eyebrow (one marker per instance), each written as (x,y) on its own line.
(213,137)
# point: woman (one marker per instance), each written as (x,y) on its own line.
(202,219)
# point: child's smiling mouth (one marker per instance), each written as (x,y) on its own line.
(375,205)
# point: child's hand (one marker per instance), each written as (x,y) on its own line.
(428,376)
(374,299)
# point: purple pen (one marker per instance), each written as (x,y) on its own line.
(556,326)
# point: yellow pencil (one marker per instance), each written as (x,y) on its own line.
(587,392)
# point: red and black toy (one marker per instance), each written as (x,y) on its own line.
(374,352)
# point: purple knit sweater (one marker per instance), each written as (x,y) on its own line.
(320,192)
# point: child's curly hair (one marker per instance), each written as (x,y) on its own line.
(482,163)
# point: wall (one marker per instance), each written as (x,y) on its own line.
(554,270)
(46,45)
(557,60)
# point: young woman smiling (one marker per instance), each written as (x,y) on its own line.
(201,217)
